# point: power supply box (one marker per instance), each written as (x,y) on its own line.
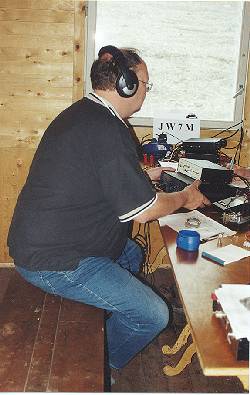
(207,146)
(204,170)
(199,148)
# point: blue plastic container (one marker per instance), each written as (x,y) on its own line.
(188,240)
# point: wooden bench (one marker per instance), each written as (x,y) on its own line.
(47,343)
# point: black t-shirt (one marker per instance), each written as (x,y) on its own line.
(84,186)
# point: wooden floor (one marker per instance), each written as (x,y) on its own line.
(48,343)
(145,372)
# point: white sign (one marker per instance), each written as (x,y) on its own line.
(177,128)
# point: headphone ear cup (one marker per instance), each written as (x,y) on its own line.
(125,88)
(127,82)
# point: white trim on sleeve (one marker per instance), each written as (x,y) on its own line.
(138,210)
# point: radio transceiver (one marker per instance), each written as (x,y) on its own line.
(215,179)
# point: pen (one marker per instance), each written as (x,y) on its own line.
(220,234)
(213,258)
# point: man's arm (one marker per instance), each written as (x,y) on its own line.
(167,203)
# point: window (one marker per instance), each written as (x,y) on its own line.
(196,53)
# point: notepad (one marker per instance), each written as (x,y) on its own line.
(227,254)
(230,297)
(208,226)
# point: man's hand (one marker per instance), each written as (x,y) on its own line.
(194,198)
(155,172)
(242,172)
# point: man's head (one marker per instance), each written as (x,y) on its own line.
(120,76)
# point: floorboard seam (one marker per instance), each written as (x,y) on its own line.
(54,347)
(34,345)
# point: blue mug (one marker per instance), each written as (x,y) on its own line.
(188,240)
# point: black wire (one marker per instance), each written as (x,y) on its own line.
(233,134)
(142,237)
(147,237)
(230,127)
(238,150)
(243,179)
(177,148)
(224,154)
(229,137)
(143,141)
(236,146)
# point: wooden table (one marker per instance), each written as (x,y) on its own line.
(196,278)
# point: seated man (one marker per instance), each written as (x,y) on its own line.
(69,232)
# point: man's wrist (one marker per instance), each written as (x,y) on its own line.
(147,176)
(184,197)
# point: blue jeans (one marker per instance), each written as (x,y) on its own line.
(138,314)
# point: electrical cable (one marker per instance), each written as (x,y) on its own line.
(243,179)
(230,127)
(177,148)
(236,146)
(238,149)
(142,140)
(233,134)
(143,238)
(224,154)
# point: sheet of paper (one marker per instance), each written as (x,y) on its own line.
(208,227)
(174,165)
(229,297)
(227,254)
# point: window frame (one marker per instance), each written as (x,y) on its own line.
(90,28)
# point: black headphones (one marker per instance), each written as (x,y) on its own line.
(127,82)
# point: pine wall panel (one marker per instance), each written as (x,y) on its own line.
(41,73)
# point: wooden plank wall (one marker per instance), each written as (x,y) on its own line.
(41,73)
